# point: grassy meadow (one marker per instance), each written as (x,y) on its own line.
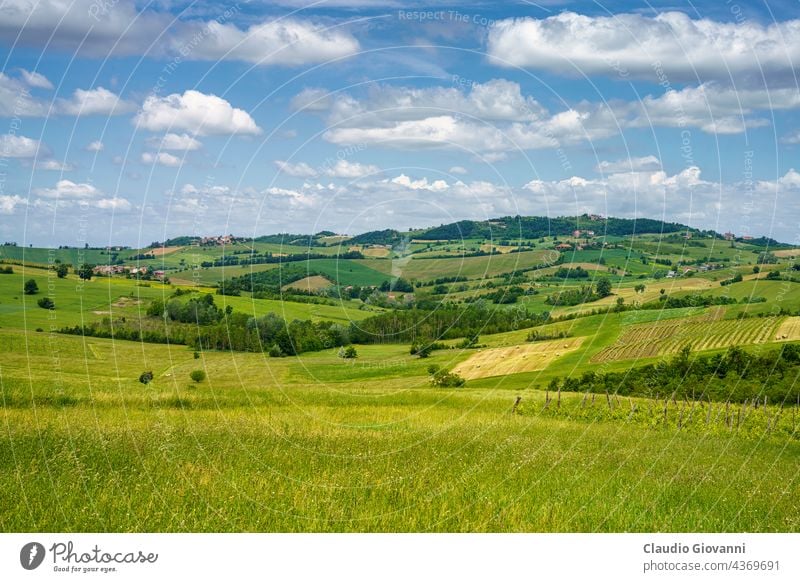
(319,442)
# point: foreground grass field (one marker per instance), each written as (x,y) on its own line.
(318,444)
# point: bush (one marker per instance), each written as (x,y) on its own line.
(6,271)
(146,377)
(445,379)
(275,351)
(348,353)
(46,303)
(31,288)
(197,375)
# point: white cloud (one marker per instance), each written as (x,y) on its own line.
(97,101)
(19,146)
(34,79)
(53,165)
(630,44)
(173,141)
(312,99)
(16,100)
(117,204)
(791,138)
(298,170)
(69,190)
(458,170)
(92,28)
(9,203)
(421,184)
(95,146)
(196,113)
(161,159)
(495,100)
(346,169)
(632,164)
(280,42)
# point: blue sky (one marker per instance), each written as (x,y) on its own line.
(150,120)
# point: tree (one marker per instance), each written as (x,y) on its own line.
(146,377)
(85,271)
(620,303)
(31,288)
(603,287)
(198,376)
(756,269)
(46,303)
(62,270)
(639,288)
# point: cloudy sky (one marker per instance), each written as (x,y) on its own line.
(127,122)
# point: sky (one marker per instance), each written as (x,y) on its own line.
(128,122)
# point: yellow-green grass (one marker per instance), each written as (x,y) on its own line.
(276,445)
(470,267)
(78,302)
(788,330)
(310,284)
(211,275)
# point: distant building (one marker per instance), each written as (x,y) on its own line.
(729,236)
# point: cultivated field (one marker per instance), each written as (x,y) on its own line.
(700,334)
(515,360)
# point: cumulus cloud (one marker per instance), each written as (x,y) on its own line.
(95,146)
(791,138)
(281,42)
(458,170)
(684,196)
(97,101)
(34,79)
(90,28)
(196,113)
(19,146)
(421,184)
(53,165)
(116,204)
(632,164)
(8,204)
(175,142)
(630,44)
(161,159)
(69,190)
(298,170)
(347,169)
(16,99)
(339,169)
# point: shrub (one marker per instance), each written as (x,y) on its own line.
(197,375)
(46,303)
(31,288)
(6,271)
(275,351)
(146,377)
(445,379)
(348,353)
